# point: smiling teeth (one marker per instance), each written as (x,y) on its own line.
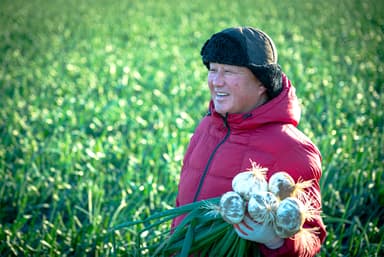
(221,94)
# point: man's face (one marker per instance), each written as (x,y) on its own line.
(234,89)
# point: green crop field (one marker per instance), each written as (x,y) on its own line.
(98,100)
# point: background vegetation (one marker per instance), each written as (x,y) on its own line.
(98,100)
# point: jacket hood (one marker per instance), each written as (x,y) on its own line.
(284,108)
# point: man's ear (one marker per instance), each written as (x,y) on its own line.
(262,89)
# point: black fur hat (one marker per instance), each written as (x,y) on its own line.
(248,47)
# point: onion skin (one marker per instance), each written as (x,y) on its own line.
(262,207)
(281,184)
(290,217)
(247,183)
(232,207)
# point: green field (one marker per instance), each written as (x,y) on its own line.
(98,100)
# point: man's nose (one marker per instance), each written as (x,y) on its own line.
(218,79)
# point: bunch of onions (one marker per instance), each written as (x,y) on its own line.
(207,226)
(280,201)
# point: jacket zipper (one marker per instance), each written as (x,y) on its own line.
(211,157)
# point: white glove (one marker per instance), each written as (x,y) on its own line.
(257,232)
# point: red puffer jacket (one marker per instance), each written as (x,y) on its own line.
(221,147)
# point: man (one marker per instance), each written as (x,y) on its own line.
(253,115)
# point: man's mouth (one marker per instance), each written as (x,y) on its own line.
(221,94)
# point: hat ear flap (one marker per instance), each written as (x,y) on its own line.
(271,77)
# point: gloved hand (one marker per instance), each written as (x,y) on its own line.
(257,232)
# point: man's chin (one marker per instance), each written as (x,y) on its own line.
(222,112)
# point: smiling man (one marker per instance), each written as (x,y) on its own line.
(253,115)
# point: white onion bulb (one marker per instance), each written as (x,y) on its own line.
(262,207)
(290,217)
(250,182)
(281,184)
(232,207)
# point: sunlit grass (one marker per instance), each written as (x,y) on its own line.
(98,101)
